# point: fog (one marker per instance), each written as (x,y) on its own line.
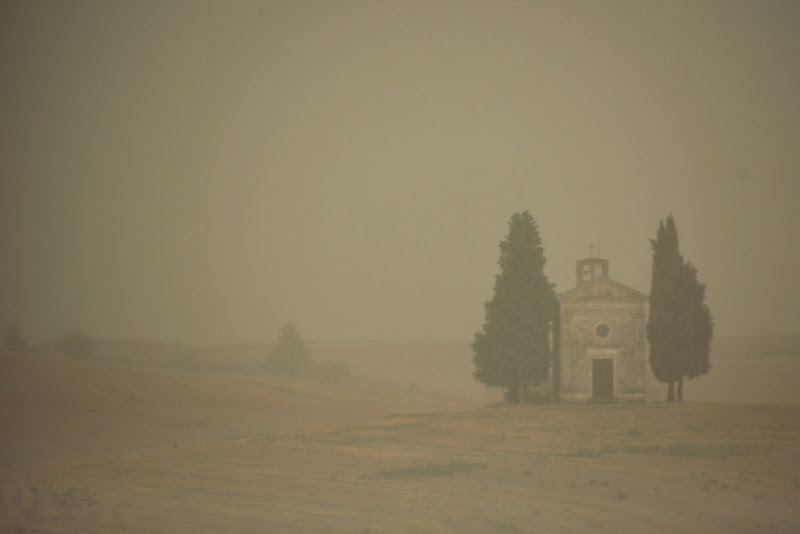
(205,171)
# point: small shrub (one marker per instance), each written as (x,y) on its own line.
(541,394)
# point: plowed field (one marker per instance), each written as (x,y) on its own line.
(112,449)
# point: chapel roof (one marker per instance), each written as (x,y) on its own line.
(602,288)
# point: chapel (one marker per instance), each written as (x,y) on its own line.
(603,346)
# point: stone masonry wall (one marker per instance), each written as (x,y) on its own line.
(625,344)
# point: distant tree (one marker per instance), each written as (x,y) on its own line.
(13,339)
(291,355)
(513,349)
(679,326)
(76,344)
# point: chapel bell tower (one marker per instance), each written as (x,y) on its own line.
(590,269)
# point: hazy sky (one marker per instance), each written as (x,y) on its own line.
(205,171)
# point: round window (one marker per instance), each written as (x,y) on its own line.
(602,330)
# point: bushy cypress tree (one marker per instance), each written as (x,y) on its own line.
(513,349)
(679,327)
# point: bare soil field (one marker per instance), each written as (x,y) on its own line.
(86,447)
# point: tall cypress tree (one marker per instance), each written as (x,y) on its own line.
(663,322)
(679,327)
(513,349)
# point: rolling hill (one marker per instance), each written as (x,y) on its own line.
(411,444)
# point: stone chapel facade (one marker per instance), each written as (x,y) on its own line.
(603,342)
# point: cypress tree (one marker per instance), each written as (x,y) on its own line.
(698,329)
(513,349)
(679,327)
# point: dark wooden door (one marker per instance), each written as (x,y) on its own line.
(603,378)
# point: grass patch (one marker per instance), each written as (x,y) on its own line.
(502,526)
(417,415)
(688,450)
(294,392)
(75,498)
(684,450)
(189,425)
(400,427)
(429,470)
(334,438)
(589,453)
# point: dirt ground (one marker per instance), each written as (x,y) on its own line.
(102,448)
